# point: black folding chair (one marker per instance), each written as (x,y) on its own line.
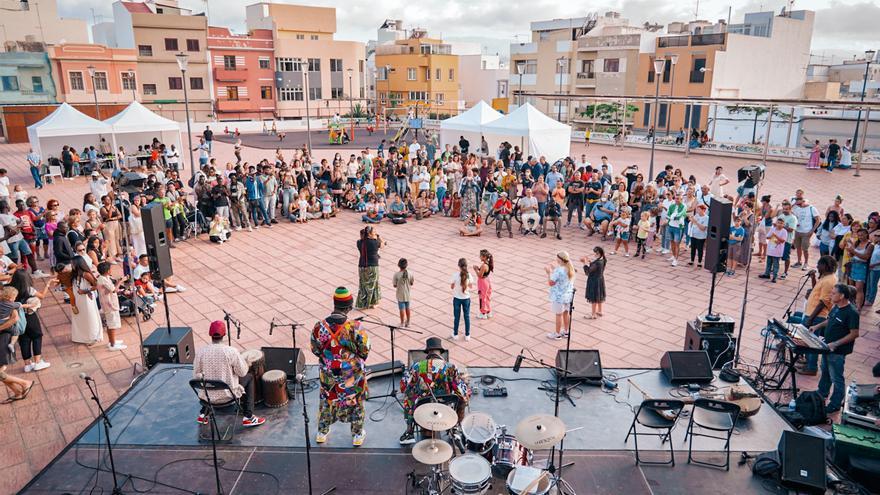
(203,390)
(450,400)
(660,417)
(716,416)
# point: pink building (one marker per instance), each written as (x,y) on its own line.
(243,72)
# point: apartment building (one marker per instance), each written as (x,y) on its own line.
(420,73)
(483,77)
(115,74)
(158,31)
(38,22)
(243,70)
(309,62)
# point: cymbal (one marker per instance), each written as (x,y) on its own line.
(435,416)
(431,451)
(540,431)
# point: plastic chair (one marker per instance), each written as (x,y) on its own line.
(653,414)
(716,416)
(54,171)
(202,388)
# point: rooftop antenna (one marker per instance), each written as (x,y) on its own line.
(697,11)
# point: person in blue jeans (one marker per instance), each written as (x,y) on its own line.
(841,329)
(34,163)
(255,192)
(461,283)
(818,305)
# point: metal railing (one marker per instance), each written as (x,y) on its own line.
(670,41)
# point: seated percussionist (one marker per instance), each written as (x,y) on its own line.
(432,376)
(218,361)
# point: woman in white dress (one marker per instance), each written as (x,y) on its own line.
(136,227)
(85,325)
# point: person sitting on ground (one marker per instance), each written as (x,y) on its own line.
(473,225)
(397,211)
(223,363)
(219,232)
(422,205)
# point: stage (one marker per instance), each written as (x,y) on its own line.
(155,438)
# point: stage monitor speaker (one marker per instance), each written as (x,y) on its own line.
(687,367)
(720,346)
(290,360)
(158,244)
(718,235)
(583,364)
(416,355)
(802,459)
(174,347)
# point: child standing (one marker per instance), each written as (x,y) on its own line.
(777,236)
(303,209)
(642,235)
(107,294)
(484,283)
(734,243)
(7,307)
(326,206)
(622,230)
(403,281)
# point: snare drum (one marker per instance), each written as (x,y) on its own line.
(275,388)
(508,454)
(479,431)
(256,361)
(526,480)
(470,475)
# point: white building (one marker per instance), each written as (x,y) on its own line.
(482,77)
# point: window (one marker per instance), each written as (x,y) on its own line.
(145,50)
(196,83)
(229,62)
(410,74)
(171,44)
(661,116)
(382,97)
(646,118)
(335,65)
(149,89)
(531,67)
(266,92)
(439,98)
(175,83)
(314,65)
(651,70)
(425,49)
(232,93)
(427,74)
(10,83)
(314,93)
(692,113)
(289,64)
(76,81)
(336,93)
(264,63)
(313,37)
(438,74)
(667,71)
(100,81)
(128,81)
(300,36)
(587,70)
(382,74)
(290,94)
(192,45)
(452,74)
(698,76)
(611,65)
(37,84)
(418,96)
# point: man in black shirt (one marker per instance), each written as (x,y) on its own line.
(841,330)
(463,145)
(833,154)
(574,197)
(593,192)
(208,134)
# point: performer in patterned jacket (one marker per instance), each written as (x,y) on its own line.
(341,347)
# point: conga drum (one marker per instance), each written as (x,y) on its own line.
(275,388)
(256,361)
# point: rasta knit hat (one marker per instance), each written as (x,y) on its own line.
(342,298)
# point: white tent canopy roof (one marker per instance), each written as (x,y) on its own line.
(138,118)
(525,120)
(67,121)
(473,120)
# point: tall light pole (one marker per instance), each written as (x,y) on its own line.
(520,68)
(869,57)
(659,65)
(91,69)
(183,62)
(673,60)
(308,120)
(350,72)
(560,62)
(131,76)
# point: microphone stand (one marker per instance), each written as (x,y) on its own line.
(293,325)
(305,413)
(214,432)
(117,490)
(797,295)
(391,391)
(230,320)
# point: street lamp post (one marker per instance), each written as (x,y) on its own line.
(520,68)
(659,65)
(308,119)
(869,57)
(673,59)
(131,76)
(350,71)
(182,63)
(560,62)
(94,91)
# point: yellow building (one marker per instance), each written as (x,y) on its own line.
(418,72)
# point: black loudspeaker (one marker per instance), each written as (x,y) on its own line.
(687,367)
(719,346)
(802,459)
(718,235)
(290,360)
(158,244)
(416,355)
(753,173)
(174,347)
(583,364)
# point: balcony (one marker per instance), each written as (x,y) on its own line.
(585,80)
(670,41)
(523,48)
(707,39)
(239,105)
(238,74)
(617,41)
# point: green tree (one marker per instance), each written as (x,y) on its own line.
(609,112)
(758,111)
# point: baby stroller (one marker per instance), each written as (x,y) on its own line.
(128,305)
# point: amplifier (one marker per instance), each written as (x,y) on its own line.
(290,360)
(415,355)
(861,406)
(686,367)
(383,369)
(721,347)
(174,347)
(802,462)
(583,364)
(724,324)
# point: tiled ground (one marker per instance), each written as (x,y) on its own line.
(290,271)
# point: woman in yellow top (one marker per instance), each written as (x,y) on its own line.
(508,184)
(848,240)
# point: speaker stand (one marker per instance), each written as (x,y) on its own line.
(167,309)
(710,316)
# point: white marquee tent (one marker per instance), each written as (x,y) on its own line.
(535,133)
(66,125)
(138,125)
(469,124)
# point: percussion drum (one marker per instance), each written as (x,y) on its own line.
(508,454)
(256,361)
(275,388)
(479,431)
(470,475)
(526,480)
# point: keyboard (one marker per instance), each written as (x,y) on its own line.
(798,337)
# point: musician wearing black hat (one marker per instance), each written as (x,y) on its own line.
(430,378)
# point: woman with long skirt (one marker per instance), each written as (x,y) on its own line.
(368,269)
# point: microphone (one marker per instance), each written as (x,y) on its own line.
(86,377)
(360,318)
(811,272)
(271,325)
(299,378)
(518,364)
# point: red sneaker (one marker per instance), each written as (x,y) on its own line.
(202,419)
(252,421)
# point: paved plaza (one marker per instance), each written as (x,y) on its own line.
(289,272)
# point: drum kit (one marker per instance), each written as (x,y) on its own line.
(489,450)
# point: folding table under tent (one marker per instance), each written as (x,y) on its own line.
(65,126)
(536,133)
(469,124)
(137,125)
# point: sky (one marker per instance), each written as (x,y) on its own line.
(843,27)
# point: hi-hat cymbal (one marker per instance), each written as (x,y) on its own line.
(435,416)
(431,451)
(540,431)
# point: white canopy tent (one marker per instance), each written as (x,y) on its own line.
(535,133)
(65,126)
(138,125)
(469,124)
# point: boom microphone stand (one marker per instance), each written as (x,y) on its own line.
(117,490)
(393,328)
(293,325)
(230,321)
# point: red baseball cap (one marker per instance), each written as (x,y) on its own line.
(217,329)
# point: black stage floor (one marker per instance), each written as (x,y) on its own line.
(320,139)
(155,437)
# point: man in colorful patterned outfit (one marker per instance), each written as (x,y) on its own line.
(341,347)
(432,376)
